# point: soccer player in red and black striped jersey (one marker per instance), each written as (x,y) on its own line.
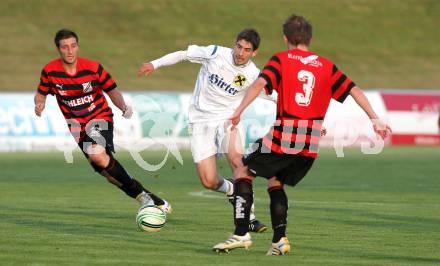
(305,82)
(79,85)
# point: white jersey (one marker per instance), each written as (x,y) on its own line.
(220,85)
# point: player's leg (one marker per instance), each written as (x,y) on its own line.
(256,163)
(235,150)
(207,171)
(110,168)
(204,150)
(291,175)
(243,199)
(97,146)
(234,155)
(278,212)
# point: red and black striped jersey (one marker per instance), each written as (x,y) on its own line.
(80,96)
(305,83)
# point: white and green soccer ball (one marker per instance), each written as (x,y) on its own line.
(151,219)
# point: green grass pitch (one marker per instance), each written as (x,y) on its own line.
(358,210)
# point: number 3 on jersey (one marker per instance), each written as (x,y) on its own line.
(307,77)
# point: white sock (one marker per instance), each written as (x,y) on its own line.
(227,187)
(144,199)
(252,214)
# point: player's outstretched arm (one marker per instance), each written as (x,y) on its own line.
(166,60)
(380,127)
(40,103)
(118,100)
(251,94)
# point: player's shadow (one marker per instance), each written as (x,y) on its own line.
(103,223)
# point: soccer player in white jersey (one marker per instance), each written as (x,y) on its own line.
(223,78)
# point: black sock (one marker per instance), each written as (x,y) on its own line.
(133,188)
(278,212)
(130,186)
(242,205)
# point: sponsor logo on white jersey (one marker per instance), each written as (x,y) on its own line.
(240,80)
(79,101)
(309,60)
(222,84)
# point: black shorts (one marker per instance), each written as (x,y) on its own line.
(100,133)
(289,169)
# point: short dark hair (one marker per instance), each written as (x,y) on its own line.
(297,30)
(250,35)
(64,34)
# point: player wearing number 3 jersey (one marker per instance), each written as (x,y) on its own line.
(305,82)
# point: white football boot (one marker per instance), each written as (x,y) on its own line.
(233,242)
(144,200)
(280,248)
(166,207)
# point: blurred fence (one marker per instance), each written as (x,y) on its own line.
(161,118)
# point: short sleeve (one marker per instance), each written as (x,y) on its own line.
(44,87)
(272,74)
(106,82)
(199,54)
(341,85)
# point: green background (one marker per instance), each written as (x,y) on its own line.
(379,44)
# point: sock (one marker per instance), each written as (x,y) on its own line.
(115,169)
(130,186)
(252,216)
(243,200)
(278,212)
(252,213)
(226,187)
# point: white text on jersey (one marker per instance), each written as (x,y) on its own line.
(79,101)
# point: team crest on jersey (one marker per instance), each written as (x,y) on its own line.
(87,87)
(240,80)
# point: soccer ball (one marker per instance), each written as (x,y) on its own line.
(151,219)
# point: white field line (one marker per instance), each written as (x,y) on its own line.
(216,195)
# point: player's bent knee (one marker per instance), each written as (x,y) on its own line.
(209,183)
(242,172)
(100,160)
(274,182)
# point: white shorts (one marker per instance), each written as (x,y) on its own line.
(211,138)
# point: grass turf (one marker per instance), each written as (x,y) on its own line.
(357,210)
